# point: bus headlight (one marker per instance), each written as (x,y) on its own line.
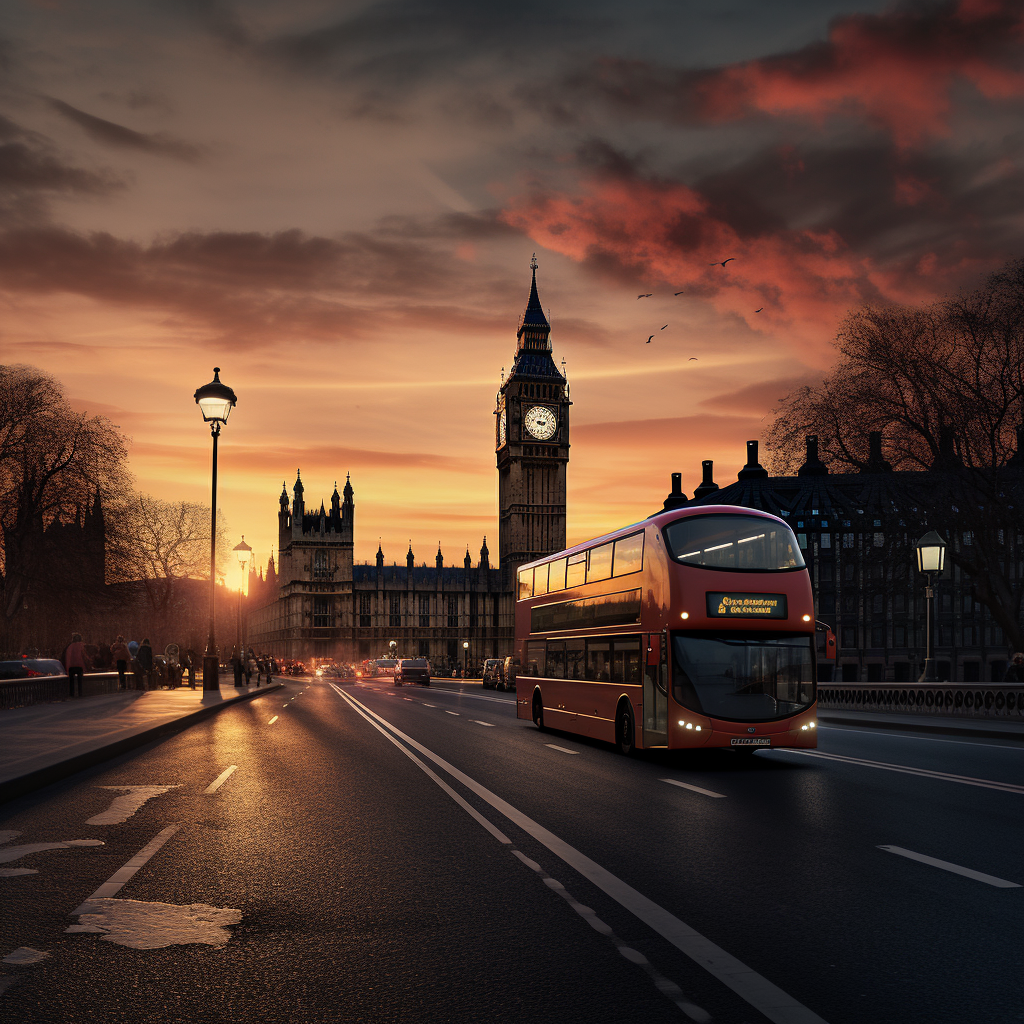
(685,615)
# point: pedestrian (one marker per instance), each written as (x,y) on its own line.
(121,657)
(1015,670)
(236,666)
(144,657)
(74,662)
(190,666)
(248,668)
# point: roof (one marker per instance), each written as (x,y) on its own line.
(534,363)
(534,315)
(425,576)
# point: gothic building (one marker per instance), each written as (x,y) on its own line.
(857,533)
(314,601)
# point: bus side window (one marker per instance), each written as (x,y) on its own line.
(575,659)
(556,660)
(600,563)
(576,571)
(627,661)
(556,576)
(599,661)
(534,659)
(629,554)
(525,584)
(540,581)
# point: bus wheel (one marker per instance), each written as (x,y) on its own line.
(625,732)
(538,711)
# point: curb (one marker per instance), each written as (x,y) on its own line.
(946,728)
(13,788)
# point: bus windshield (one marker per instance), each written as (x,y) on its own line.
(743,676)
(744,543)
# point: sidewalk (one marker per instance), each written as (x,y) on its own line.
(952,725)
(43,743)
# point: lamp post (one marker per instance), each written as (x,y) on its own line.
(465,659)
(215,401)
(243,551)
(931,556)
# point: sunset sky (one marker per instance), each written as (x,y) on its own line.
(337,204)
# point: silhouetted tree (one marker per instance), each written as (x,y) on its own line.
(945,386)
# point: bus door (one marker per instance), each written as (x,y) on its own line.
(655,691)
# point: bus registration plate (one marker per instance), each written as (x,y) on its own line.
(752,741)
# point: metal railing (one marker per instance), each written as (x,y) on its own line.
(17,693)
(967,700)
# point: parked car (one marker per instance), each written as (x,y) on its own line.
(494,674)
(22,668)
(412,670)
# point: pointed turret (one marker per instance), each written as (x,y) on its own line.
(485,556)
(467,561)
(335,502)
(298,505)
(284,496)
(380,556)
(534,328)
(409,560)
(348,492)
(439,561)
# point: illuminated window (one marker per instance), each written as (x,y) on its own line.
(629,554)
(600,567)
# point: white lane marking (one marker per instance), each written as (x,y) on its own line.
(468,808)
(273,720)
(114,883)
(9,853)
(476,721)
(123,807)
(966,780)
(25,955)
(141,925)
(430,705)
(750,986)
(220,780)
(978,742)
(455,713)
(696,789)
(978,876)
(663,984)
(564,750)
(407,698)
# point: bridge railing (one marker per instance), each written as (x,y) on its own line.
(17,693)
(967,700)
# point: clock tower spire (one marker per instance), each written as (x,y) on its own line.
(532,443)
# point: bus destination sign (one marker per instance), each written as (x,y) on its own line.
(746,606)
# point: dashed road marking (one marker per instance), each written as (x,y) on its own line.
(564,750)
(220,780)
(696,789)
(455,713)
(430,705)
(476,721)
(778,1006)
(123,807)
(956,869)
(273,720)
(114,883)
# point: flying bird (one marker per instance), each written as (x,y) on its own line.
(649,339)
(663,328)
(723,263)
(758,310)
(692,359)
(647,296)
(677,293)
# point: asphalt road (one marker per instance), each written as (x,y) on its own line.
(412,854)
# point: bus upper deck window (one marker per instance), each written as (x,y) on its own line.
(556,575)
(600,567)
(737,542)
(525,584)
(576,570)
(629,554)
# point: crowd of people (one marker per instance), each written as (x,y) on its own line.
(138,668)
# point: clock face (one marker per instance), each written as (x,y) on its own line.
(501,427)
(541,422)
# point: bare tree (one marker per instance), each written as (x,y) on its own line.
(945,386)
(54,463)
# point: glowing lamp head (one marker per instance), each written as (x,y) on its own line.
(931,552)
(215,400)
(465,645)
(243,551)
(685,615)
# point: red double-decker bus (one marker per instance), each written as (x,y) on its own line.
(694,628)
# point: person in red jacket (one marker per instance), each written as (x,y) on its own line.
(74,662)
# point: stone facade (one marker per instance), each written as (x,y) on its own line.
(314,602)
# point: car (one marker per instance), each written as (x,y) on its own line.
(493,674)
(412,670)
(23,668)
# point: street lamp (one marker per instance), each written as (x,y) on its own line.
(465,659)
(215,401)
(243,551)
(931,556)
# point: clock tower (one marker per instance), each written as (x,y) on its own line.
(532,442)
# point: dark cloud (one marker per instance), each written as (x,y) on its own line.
(897,69)
(251,289)
(112,134)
